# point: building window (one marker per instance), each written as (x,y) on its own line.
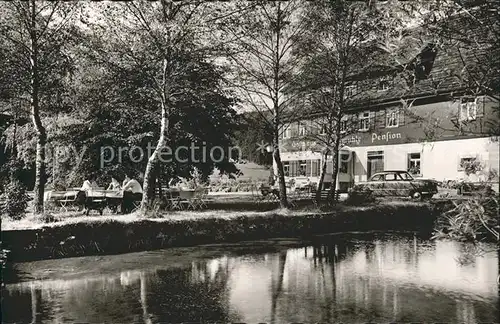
(343,126)
(312,128)
(302,129)
(414,164)
(350,91)
(302,168)
(383,84)
(286,132)
(364,121)
(344,163)
(470,165)
(468,108)
(392,118)
(322,129)
(286,168)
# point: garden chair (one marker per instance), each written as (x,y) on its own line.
(54,197)
(136,202)
(172,197)
(269,195)
(175,203)
(199,198)
(187,200)
(71,199)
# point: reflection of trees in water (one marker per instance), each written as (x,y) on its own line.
(193,294)
(361,287)
(80,300)
(172,295)
(277,285)
(334,281)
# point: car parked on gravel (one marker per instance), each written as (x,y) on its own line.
(398,183)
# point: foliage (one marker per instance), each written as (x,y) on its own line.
(202,115)
(264,65)
(34,35)
(16,200)
(251,133)
(337,47)
(471,219)
(360,195)
(165,68)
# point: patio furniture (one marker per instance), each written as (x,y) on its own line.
(131,202)
(61,199)
(187,200)
(73,198)
(113,200)
(172,197)
(267,194)
(200,195)
(95,200)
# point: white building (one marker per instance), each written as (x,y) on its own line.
(444,128)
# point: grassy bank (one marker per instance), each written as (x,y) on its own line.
(99,235)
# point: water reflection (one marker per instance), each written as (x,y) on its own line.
(348,279)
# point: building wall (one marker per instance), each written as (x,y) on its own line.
(423,121)
(440,160)
(432,127)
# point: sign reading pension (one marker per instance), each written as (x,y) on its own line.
(387,137)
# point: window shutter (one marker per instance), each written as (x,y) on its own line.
(315,168)
(355,122)
(401,114)
(463,111)
(293,168)
(308,168)
(383,118)
(481,102)
(372,120)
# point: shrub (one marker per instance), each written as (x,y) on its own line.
(471,219)
(16,200)
(48,218)
(360,196)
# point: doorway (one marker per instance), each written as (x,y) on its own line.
(375,162)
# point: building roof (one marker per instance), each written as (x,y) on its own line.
(435,71)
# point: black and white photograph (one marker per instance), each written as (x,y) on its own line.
(195,161)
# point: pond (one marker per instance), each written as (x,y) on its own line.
(337,278)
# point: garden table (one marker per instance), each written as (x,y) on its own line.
(100,199)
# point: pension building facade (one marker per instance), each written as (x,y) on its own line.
(433,133)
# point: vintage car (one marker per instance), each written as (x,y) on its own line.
(398,183)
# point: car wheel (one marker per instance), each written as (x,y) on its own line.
(416,195)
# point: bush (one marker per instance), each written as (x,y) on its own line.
(360,196)
(16,200)
(471,220)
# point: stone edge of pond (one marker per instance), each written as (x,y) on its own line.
(115,237)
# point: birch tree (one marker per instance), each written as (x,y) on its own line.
(265,66)
(337,48)
(168,40)
(35,33)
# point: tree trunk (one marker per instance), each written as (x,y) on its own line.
(281,173)
(160,190)
(335,170)
(149,174)
(41,136)
(321,177)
